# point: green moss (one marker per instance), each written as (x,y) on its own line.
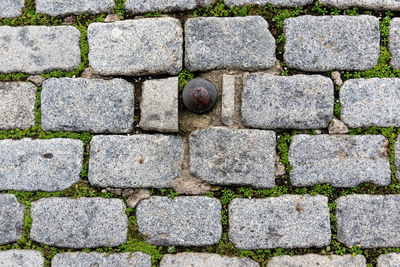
(120,8)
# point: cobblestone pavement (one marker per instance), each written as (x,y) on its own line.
(101,164)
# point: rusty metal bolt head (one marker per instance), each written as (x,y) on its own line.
(200,95)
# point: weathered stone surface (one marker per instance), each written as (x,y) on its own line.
(318,260)
(205,259)
(337,79)
(340,160)
(36,80)
(81,259)
(394,42)
(228,100)
(39,49)
(337,127)
(18,258)
(79,223)
(278,3)
(11,219)
(136,47)
(289,221)
(388,260)
(45,165)
(17,105)
(365,4)
(369,221)
(87,105)
(233,157)
(73,7)
(243,43)
(300,101)
(397,158)
(323,43)
(159,106)
(11,8)
(140,7)
(183,221)
(138,161)
(136,197)
(370,102)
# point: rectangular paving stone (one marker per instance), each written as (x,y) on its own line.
(88,105)
(81,259)
(370,102)
(324,43)
(228,99)
(397,158)
(136,47)
(17,105)
(318,260)
(233,157)
(138,161)
(243,43)
(37,49)
(368,221)
(79,223)
(293,102)
(365,4)
(18,258)
(40,165)
(340,160)
(388,260)
(278,3)
(204,260)
(12,214)
(140,7)
(182,221)
(73,7)
(394,42)
(289,221)
(159,106)
(11,8)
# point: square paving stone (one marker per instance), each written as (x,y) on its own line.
(182,221)
(309,260)
(136,47)
(324,43)
(17,105)
(278,3)
(295,102)
(388,260)
(88,105)
(243,43)
(365,4)
(73,7)
(204,260)
(140,7)
(11,8)
(24,258)
(233,157)
(289,221)
(12,214)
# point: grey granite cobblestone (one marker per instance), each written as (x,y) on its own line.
(278,3)
(394,42)
(365,4)
(140,7)
(388,260)
(182,221)
(79,223)
(75,7)
(204,260)
(24,258)
(318,260)
(11,8)
(12,214)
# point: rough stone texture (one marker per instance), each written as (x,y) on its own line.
(394,42)
(388,260)
(318,260)
(337,127)
(300,101)
(243,43)
(278,3)
(140,7)
(324,43)
(340,160)
(139,195)
(79,223)
(228,100)
(88,105)
(136,47)
(289,221)
(18,258)
(205,260)
(397,158)
(36,80)
(365,4)
(233,157)
(95,259)
(73,7)
(369,221)
(183,221)
(139,161)
(189,185)
(11,8)
(39,49)
(40,165)
(11,219)
(159,106)
(370,102)
(337,79)
(17,105)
